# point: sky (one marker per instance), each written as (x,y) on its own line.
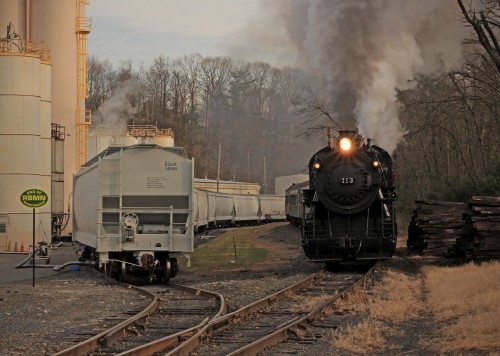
(144,30)
(359,53)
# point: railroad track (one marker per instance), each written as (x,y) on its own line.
(174,314)
(273,319)
(181,319)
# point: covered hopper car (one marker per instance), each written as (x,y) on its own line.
(135,208)
(132,209)
(216,209)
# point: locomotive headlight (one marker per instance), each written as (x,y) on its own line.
(375,164)
(317,165)
(345,144)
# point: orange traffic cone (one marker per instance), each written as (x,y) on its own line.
(22,247)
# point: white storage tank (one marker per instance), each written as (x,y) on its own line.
(54,21)
(45,118)
(165,141)
(133,200)
(103,136)
(24,126)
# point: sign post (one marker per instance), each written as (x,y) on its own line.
(34,198)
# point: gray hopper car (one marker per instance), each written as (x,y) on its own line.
(215,209)
(132,209)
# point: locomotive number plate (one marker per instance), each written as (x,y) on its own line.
(347,180)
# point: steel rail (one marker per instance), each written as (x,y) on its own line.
(111,335)
(282,333)
(190,344)
(277,336)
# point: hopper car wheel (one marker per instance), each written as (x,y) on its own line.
(113,270)
(164,276)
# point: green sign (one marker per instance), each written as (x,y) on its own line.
(34,198)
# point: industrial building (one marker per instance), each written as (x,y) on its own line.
(43,86)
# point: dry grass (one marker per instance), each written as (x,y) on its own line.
(466,300)
(394,299)
(363,337)
(308,302)
(398,297)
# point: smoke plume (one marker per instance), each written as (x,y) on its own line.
(363,51)
(117,109)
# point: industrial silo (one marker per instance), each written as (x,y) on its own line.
(55,22)
(103,136)
(44,119)
(64,27)
(23,126)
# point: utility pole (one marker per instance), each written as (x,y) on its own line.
(265,185)
(248,160)
(218,168)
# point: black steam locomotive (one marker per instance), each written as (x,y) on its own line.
(348,212)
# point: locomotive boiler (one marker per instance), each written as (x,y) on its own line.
(348,212)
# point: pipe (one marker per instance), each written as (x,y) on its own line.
(71,263)
(60,267)
(20,265)
(55,267)
(28,20)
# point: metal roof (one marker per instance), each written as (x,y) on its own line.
(113,149)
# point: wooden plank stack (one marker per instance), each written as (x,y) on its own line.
(481,233)
(435,227)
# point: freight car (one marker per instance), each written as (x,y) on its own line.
(347,212)
(215,209)
(132,209)
(135,208)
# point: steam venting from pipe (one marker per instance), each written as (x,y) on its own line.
(363,51)
(117,109)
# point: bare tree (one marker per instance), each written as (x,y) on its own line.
(317,114)
(486,24)
(101,80)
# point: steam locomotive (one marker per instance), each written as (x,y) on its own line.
(347,211)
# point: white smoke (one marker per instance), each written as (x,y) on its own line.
(117,110)
(366,50)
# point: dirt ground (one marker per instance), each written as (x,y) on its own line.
(391,319)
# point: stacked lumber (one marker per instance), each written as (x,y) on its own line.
(435,227)
(481,233)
